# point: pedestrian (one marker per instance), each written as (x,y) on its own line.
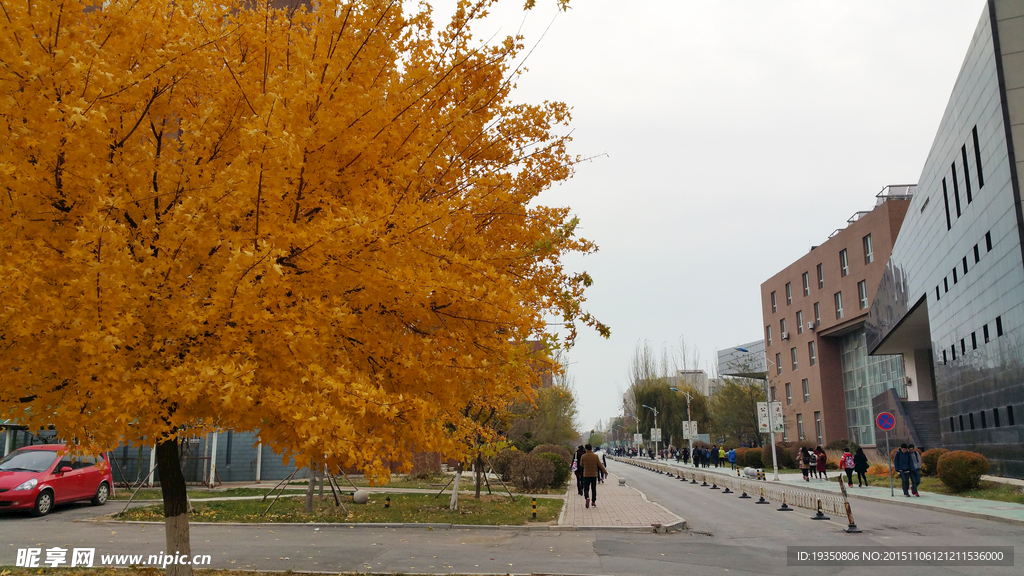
(577,468)
(732,458)
(821,462)
(846,463)
(813,464)
(591,468)
(721,455)
(804,462)
(860,466)
(915,469)
(604,472)
(714,455)
(901,463)
(686,455)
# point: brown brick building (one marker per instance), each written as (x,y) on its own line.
(814,312)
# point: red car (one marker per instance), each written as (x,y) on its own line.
(35,478)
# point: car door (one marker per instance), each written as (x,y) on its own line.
(66,486)
(90,476)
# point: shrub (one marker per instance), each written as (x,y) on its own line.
(740,452)
(531,472)
(782,452)
(562,470)
(503,463)
(930,460)
(961,470)
(554,449)
(878,470)
(752,458)
(842,445)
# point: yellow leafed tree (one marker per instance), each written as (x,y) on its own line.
(316,224)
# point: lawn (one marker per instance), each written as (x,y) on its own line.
(986,490)
(123,494)
(405,508)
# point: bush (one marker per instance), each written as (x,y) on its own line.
(878,470)
(961,470)
(782,452)
(503,463)
(930,460)
(752,458)
(530,473)
(740,452)
(562,470)
(554,449)
(842,445)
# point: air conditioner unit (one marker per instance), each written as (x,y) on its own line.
(785,335)
(811,325)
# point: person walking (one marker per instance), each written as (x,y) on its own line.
(804,462)
(577,468)
(821,462)
(721,455)
(860,466)
(591,468)
(732,458)
(915,469)
(901,463)
(846,463)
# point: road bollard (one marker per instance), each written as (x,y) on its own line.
(852,527)
(820,515)
(784,507)
(703,481)
(761,500)
(727,491)
(693,479)
(744,495)
(387,502)
(534,508)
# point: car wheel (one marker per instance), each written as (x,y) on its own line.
(44,503)
(102,493)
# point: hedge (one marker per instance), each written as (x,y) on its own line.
(562,470)
(752,458)
(531,472)
(930,460)
(961,470)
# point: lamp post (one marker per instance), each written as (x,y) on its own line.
(771,425)
(655,425)
(687,393)
(637,420)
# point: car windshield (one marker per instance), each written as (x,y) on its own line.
(28,461)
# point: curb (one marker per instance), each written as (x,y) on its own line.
(676,527)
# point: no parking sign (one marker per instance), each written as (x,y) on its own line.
(885,421)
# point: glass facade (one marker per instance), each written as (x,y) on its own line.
(865,377)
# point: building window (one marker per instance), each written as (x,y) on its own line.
(869,254)
(952,426)
(955,278)
(952,351)
(807,390)
(789,395)
(977,254)
(974,341)
(944,357)
(945,200)
(961,417)
(785,435)
(977,158)
(817,427)
(1009,415)
(817,314)
(789,294)
(999,326)
(936,293)
(984,331)
(821,277)
(862,291)
(778,362)
(775,306)
(988,241)
(965,265)
(970,418)
(800,426)
(768,334)
(984,421)
(773,393)
(945,284)
(844,263)
(967,173)
(799,321)
(812,353)
(782,327)
(956,189)
(963,346)
(807,284)
(839,305)
(792,355)
(995,417)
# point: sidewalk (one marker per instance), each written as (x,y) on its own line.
(618,507)
(1007,512)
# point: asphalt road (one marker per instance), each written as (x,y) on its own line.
(726,534)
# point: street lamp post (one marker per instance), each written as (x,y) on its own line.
(687,393)
(771,424)
(655,425)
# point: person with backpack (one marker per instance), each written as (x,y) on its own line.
(804,462)
(732,458)
(860,466)
(577,468)
(915,469)
(902,464)
(820,463)
(846,463)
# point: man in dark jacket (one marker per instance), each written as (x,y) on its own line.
(591,466)
(902,464)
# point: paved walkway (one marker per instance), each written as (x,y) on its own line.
(618,507)
(1008,512)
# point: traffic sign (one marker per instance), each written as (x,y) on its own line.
(638,438)
(885,421)
(655,434)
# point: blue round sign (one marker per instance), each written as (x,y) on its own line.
(885,421)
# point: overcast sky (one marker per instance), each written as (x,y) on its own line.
(738,134)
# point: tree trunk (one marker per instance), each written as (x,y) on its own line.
(479,466)
(320,474)
(309,490)
(453,504)
(172,486)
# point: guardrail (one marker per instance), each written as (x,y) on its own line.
(766,492)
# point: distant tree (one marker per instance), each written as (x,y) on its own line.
(595,439)
(734,410)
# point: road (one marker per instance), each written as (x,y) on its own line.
(726,534)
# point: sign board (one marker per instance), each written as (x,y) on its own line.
(686,430)
(689,430)
(638,438)
(762,417)
(885,421)
(655,434)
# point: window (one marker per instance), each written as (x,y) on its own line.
(812,353)
(965,265)
(974,341)
(778,363)
(799,321)
(773,393)
(807,284)
(984,421)
(792,355)
(988,241)
(936,293)
(995,417)
(984,331)
(789,294)
(956,189)
(1009,415)
(945,199)
(862,291)
(999,326)
(768,334)
(785,434)
(952,426)
(869,254)
(977,254)
(961,422)
(775,307)
(967,173)
(800,426)
(955,279)
(817,426)
(952,350)
(817,314)
(977,158)
(789,395)
(807,390)
(970,418)
(944,357)
(963,346)
(782,325)
(821,277)
(945,284)
(839,305)
(844,264)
